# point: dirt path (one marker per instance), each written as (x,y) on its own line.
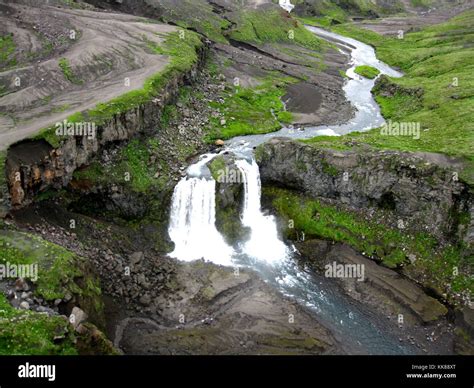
(109,58)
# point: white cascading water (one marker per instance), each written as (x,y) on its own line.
(192,225)
(264,243)
(193,216)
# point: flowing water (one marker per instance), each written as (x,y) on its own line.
(357,89)
(193,215)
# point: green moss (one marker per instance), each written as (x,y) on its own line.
(301,166)
(130,170)
(290,342)
(435,264)
(327,13)
(217,166)
(7,51)
(249,111)
(60,272)
(58,269)
(65,67)
(367,71)
(30,333)
(329,168)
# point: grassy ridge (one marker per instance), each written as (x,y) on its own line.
(58,268)
(275,26)
(330,12)
(28,332)
(436,59)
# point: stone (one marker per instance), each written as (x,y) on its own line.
(220,143)
(145,300)
(24,305)
(21,285)
(136,258)
(77,317)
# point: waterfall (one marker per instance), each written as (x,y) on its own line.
(192,223)
(286,5)
(264,243)
(193,218)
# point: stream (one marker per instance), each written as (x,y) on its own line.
(193,215)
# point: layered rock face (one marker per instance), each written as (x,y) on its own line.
(421,190)
(34,165)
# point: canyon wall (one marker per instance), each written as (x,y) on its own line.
(420,189)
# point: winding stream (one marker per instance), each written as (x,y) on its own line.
(192,222)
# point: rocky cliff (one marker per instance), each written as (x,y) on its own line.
(418,189)
(33,166)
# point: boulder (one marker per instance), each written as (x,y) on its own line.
(77,317)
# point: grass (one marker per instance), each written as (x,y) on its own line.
(60,272)
(131,170)
(30,333)
(248,111)
(435,264)
(274,26)
(197,16)
(212,29)
(7,51)
(65,67)
(367,71)
(182,56)
(217,167)
(436,59)
(329,12)
(58,268)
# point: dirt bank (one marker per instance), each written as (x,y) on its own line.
(108,56)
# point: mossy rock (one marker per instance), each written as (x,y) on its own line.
(367,71)
(60,272)
(91,341)
(29,333)
(229,198)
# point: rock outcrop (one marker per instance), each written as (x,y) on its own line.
(381,287)
(229,198)
(420,189)
(34,165)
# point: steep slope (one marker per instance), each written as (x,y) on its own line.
(77,59)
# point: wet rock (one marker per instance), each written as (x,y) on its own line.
(381,287)
(464,331)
